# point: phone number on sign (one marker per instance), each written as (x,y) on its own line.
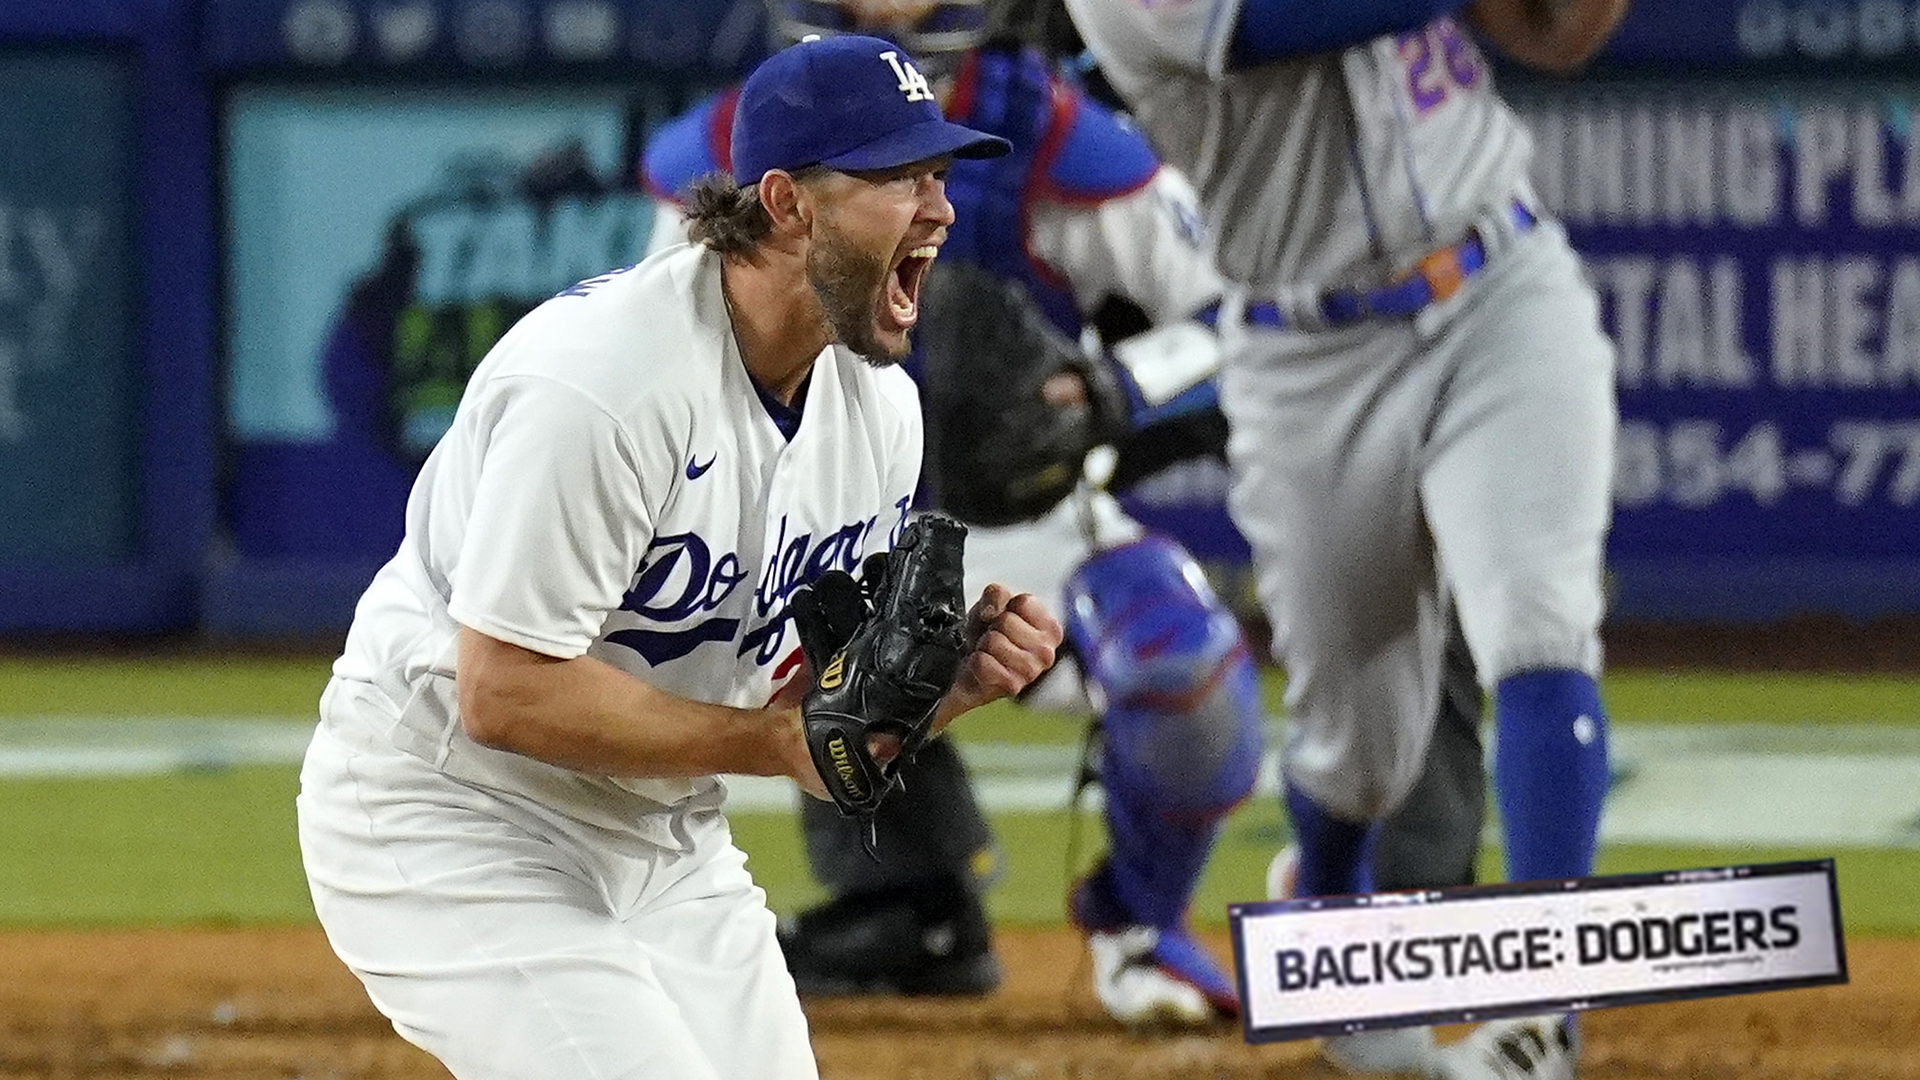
(1697,463)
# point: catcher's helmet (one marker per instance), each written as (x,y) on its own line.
(936,32)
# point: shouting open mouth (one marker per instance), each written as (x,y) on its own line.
(903,286)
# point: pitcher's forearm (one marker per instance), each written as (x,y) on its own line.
(589,716)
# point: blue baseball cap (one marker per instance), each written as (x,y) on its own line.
(849,102)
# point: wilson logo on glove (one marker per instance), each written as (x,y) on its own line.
(830,678)
(843,767)
(887,647)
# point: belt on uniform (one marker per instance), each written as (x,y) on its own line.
(1437,276)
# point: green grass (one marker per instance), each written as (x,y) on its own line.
(196,686)
(212,847)
(279,686)
(1632,697)
(1641,696)
(219,847)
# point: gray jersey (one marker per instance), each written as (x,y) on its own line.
(1454,453)
(1371,157)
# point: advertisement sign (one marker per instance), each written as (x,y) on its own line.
(380,241)
(69,395)
(1757,250)
(1756,33)
(1344,964)
(1756,244)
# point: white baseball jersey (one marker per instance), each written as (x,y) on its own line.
(612,484)
(1333,168)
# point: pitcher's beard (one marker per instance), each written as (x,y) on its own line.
(849,284)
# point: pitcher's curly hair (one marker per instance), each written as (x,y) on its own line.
(728,217)
(725,216)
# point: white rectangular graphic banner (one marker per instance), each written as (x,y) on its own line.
(1329,965)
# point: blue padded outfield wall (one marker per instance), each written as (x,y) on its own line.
(107,350)
(211,407)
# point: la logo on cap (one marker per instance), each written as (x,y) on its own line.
(830,102)
(912,83)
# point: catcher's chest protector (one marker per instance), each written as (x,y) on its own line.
(1012,95)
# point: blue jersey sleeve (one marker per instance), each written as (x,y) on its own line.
(1268,30)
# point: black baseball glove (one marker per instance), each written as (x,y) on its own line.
(997,451)
(884,649)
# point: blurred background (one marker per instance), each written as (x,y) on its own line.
(250,249)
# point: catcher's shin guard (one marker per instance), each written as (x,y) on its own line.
(1178,697)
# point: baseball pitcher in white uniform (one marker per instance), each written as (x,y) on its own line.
(1421,401)
(510,814)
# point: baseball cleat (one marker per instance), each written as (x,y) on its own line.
(1148,977)
(907,942)
(1135,989)
(1529,1048)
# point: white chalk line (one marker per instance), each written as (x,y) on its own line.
(1676,784)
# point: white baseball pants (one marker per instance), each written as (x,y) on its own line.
(514,944)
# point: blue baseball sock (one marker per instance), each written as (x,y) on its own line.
(1549,771)
(1336,857)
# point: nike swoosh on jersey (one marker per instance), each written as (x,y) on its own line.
(695,470)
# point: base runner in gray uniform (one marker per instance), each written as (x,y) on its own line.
(1422,412)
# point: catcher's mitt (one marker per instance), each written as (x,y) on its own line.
(997,452)
(884,650)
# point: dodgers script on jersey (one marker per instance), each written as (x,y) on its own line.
(666,571)
(1363,158)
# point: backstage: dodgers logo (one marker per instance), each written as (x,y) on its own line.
(1704,938)
(1342,964)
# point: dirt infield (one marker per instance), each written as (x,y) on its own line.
(276,1004)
